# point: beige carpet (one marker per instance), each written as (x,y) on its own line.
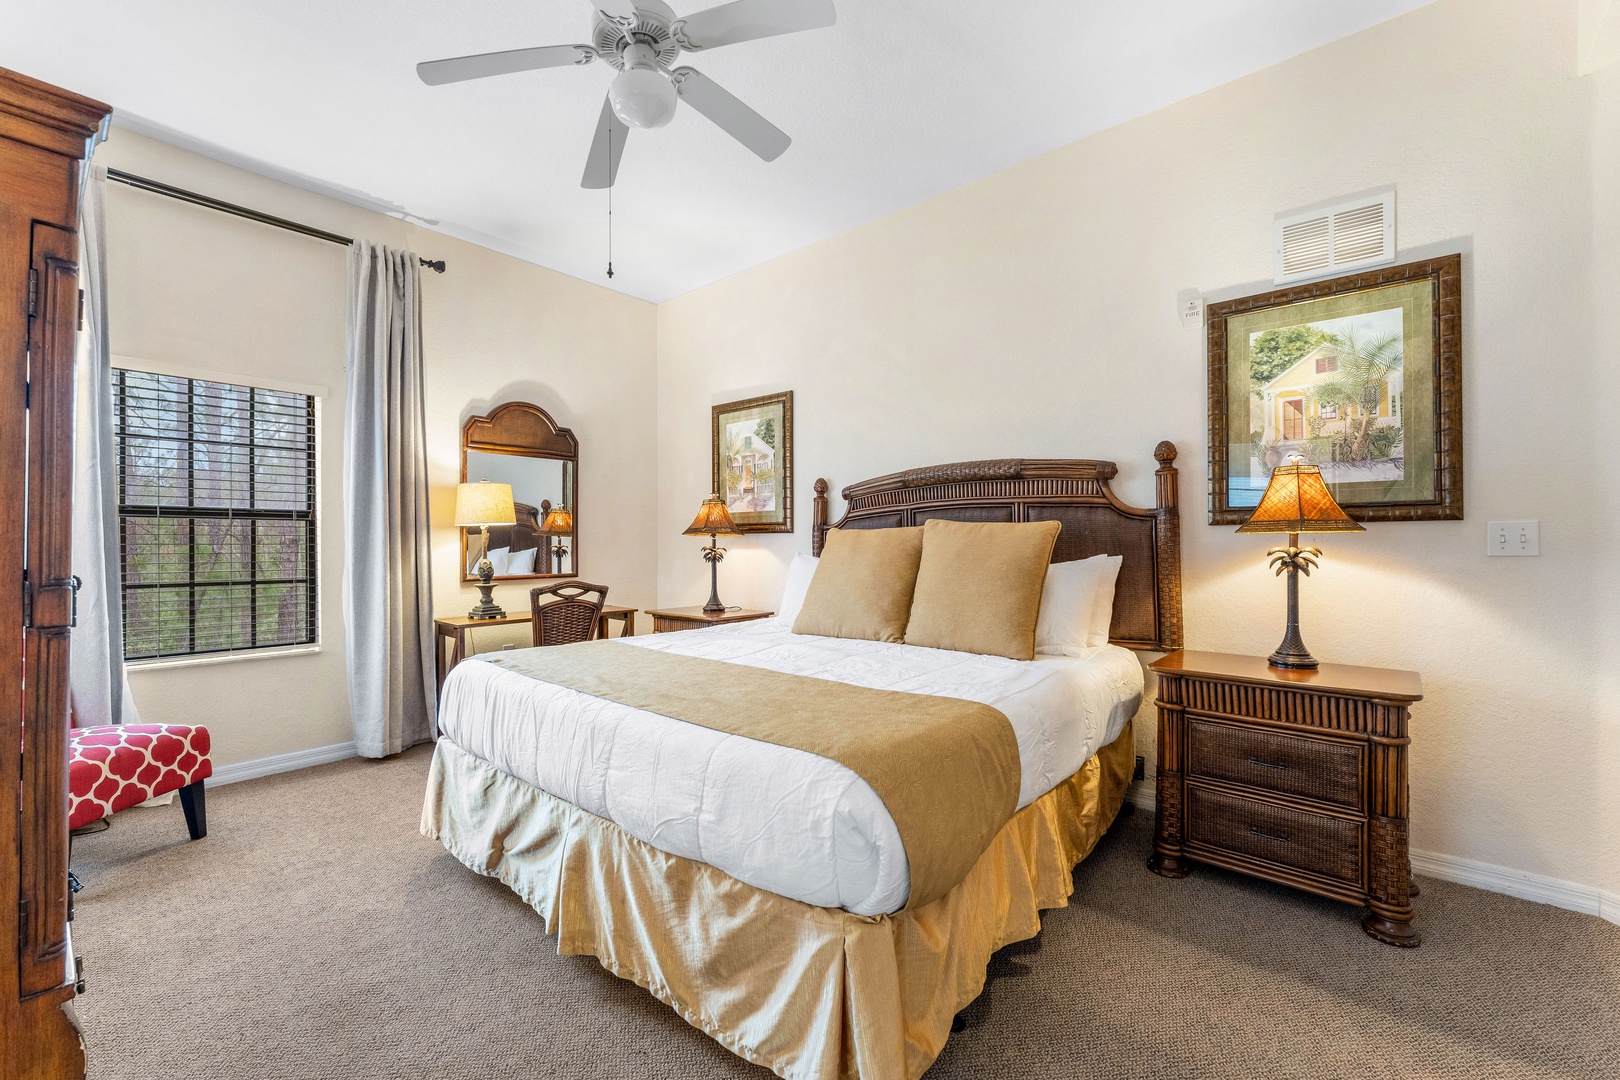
(315,934)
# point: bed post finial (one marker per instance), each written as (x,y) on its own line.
(1165,478)
(818,517)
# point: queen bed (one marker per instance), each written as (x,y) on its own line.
(771,894)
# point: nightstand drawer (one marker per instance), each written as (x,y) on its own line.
(1326,770)
(1316,843)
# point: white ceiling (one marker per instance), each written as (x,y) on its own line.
(901,100)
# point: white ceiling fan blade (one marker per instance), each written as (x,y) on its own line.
(607,150)
(483,65)
(730,115)
(618,9)
(745,20)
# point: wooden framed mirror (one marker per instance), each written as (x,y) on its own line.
(521,445)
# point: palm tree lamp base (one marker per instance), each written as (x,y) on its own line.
(714,553)
(1292,652)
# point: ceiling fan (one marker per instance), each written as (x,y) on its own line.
(642,39)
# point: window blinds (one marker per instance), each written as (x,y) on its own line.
(216,515)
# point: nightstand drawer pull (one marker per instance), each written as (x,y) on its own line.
(1258,831)
(1268,764)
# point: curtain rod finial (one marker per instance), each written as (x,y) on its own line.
(435,265)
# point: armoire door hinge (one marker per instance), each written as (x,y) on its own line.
(52,606)
(81,309)
(33,291)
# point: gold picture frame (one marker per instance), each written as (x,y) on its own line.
(1361,375)
(751,456)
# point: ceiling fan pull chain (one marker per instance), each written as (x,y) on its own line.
(610,201)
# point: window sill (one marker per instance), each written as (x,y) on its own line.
(221,658)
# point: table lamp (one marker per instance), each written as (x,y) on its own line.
(1296,501)
(713,520)
(559,522)
(481,505)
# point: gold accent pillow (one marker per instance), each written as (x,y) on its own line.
(979,586)
(863,584)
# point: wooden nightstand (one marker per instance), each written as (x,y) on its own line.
(691,618)
(1295,776)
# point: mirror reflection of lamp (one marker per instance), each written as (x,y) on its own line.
(479,506)
(559,522)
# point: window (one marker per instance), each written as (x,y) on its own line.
(216,516)
(1326,364)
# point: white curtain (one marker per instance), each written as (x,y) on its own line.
(388,590)
(99,689)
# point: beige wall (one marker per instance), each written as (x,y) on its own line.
(1033,314)
(205,291)
(1605,544)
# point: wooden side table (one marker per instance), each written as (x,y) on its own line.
(1295,776)
(452,634)
(692,618)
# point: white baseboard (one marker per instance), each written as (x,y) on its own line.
(1586,899)
(280,763)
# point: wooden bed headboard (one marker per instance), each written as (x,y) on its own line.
(1147,598)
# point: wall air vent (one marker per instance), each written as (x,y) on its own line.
(1335,238)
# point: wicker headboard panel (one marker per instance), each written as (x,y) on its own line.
(1147,599)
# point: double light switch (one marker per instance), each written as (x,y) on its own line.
(1513,538)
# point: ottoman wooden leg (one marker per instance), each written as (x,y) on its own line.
(191,801)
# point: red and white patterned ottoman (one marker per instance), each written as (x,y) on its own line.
(113,768)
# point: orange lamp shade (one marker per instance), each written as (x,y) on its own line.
(1297,500)
(713,519)
(559,522)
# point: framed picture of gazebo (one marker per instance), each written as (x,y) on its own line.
(753,461)
(1359,375)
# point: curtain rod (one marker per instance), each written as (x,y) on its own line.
(211,203)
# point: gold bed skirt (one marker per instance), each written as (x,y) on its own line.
(810,993)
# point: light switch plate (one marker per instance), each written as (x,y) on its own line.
(1513,538)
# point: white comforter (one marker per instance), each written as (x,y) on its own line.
(779,819)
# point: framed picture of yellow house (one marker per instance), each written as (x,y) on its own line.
(753,461)
(1359,375)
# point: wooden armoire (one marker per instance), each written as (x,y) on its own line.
(44,137)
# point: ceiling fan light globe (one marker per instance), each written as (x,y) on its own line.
(643,98)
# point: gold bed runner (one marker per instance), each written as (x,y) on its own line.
(947,770)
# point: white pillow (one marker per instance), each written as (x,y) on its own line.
(1071,600)
(1102,611)
(800,571)
(521,562)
